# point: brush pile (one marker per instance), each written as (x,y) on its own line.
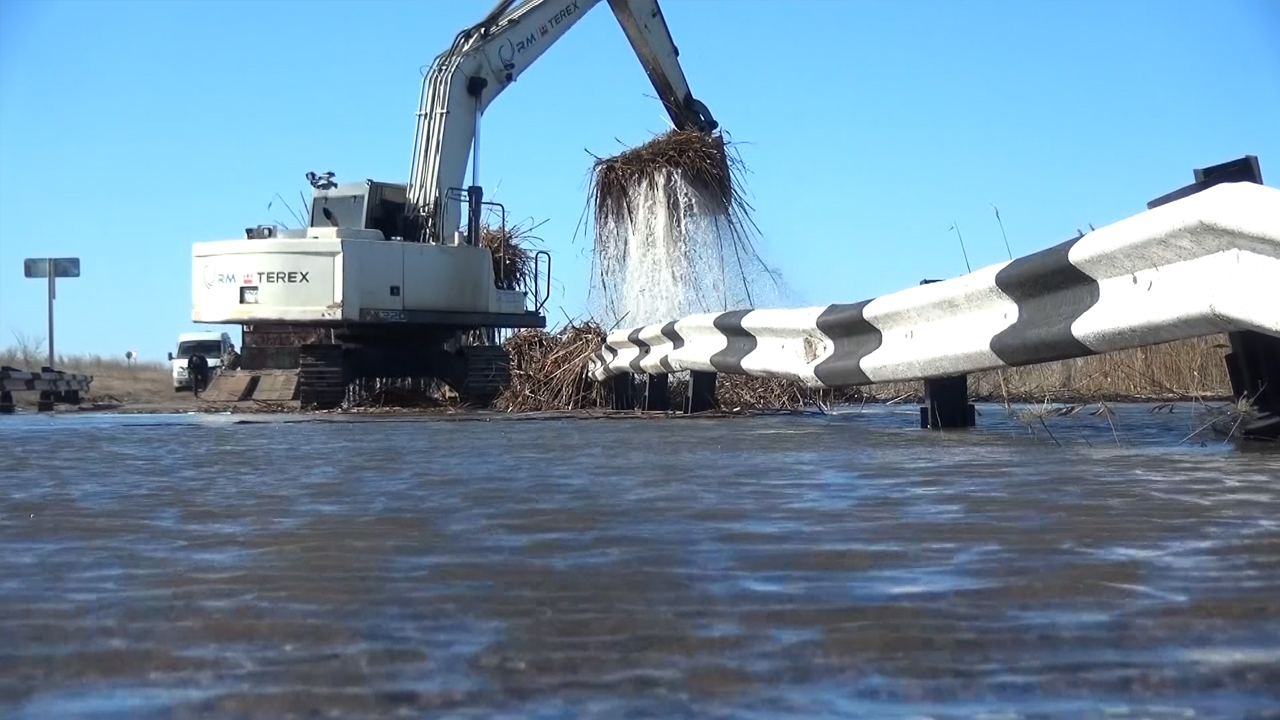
(736,393)
(548,373)
(372,394)
(673,233)
(513,266)
(549,370)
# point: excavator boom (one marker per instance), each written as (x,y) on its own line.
(647,31)
(487,58)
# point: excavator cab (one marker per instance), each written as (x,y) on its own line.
(368,205)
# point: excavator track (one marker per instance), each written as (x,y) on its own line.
(487,374)
(321,383)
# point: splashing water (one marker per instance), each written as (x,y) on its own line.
(675,253)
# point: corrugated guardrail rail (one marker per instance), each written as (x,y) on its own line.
(1201,265)
(12,380)
(53,386)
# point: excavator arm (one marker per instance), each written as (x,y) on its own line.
(491,55)
(645,27)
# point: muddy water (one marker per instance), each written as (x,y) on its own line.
(783,567)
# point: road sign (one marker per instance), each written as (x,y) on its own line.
(51,268)
(62,267)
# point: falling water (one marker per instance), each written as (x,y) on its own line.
(677,253)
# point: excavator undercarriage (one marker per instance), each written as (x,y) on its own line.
(324,369)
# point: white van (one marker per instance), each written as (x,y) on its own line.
(212,345)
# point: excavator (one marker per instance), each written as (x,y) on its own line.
(386,280)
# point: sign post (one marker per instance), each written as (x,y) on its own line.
(51,268)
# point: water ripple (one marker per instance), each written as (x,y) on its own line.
(787,567)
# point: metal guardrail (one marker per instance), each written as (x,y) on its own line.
(13,380)
(54,387)
(1197,266)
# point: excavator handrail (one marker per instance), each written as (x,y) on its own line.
(539,299)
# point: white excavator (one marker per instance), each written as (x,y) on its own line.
(387,281)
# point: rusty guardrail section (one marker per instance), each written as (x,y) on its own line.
(54,387)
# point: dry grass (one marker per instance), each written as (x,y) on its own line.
(1224,420)
(548,370)
(513,266)
(1183,370)
(746,393)
(113,380)
(400,394)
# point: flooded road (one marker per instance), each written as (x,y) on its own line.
(841,566)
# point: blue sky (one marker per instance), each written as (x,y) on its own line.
(129,131)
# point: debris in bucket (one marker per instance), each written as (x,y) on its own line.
(674,233)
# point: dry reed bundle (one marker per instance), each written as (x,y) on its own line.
(747,393)
(703,161)
(761,393)
(548,370)
(398,393)
(513,266)
(707,165)
(1182,370)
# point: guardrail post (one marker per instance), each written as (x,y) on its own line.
(946,400)
(946,404)
(1253,365)
(48,398)
(655,393)
(6,402)
(702,392)
(624,392)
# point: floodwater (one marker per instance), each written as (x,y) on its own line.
(839,566)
